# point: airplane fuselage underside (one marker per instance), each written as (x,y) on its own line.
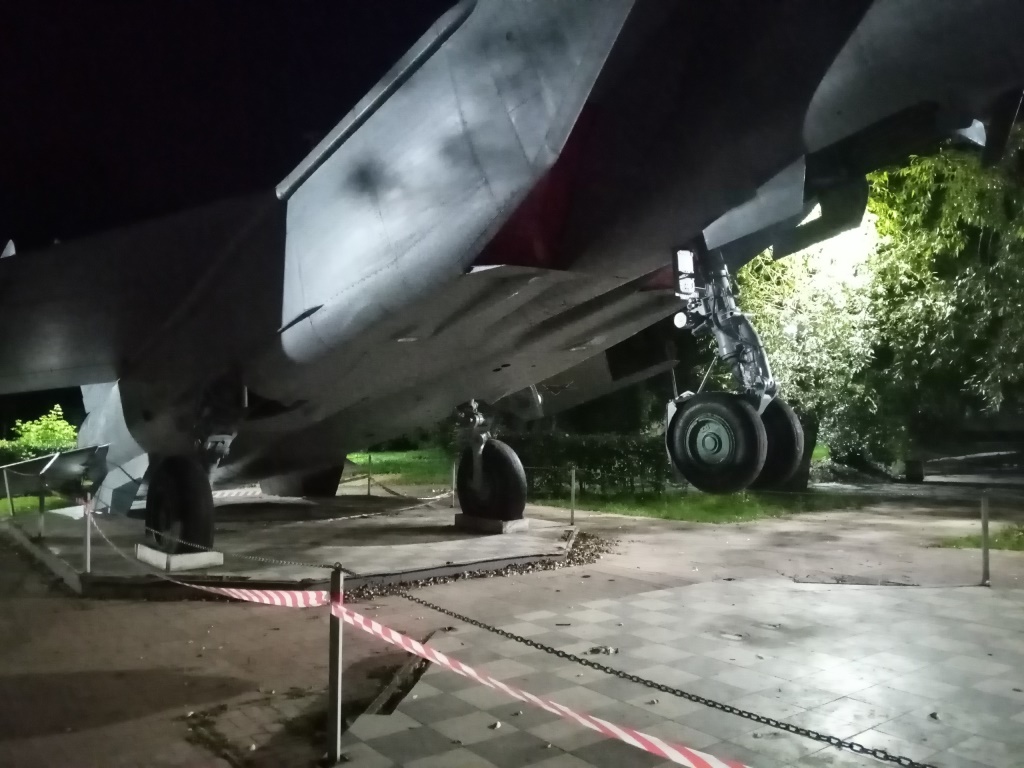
(507,202)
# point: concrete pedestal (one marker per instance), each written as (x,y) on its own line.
(484,525)
(187,561)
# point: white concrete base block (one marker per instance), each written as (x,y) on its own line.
(484,525)
(187,561)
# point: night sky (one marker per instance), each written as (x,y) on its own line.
(112,111)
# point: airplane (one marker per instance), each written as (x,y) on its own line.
(527,191)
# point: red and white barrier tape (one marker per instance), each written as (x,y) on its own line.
(277,597)
(652,744)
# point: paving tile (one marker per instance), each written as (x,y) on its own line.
(658,652)
(537,616)
(436,708)
(455,758)
(831,757)
(748,680)
(800,694)
(777,745)
(566,735)
(514,750)
(580,698)
(768,707)
(591,615)
(924,729)
(665,705)
(989,752)
(892,698)
(616,754)
(668,675)
(680,735)
(363,756)
(370,727)
(876,739)
(415,744)
(472,728)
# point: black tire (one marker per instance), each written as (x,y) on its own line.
(179,506)
(785,445)
(316,485)
(503,494)
(732,443)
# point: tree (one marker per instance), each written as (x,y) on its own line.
(894,339)
(813,312)
(47,434)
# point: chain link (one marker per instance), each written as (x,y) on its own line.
(852,746)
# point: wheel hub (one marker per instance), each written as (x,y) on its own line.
(710,441)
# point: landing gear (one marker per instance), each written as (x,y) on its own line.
(723,443)
(322,484)
(490,480)
(179,505)
(785,445)
(717,442)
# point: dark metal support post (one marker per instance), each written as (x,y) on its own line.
(42,516)
(572,496)
(334,721)
(7,490)
(985,575)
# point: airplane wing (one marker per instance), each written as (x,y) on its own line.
(87,311)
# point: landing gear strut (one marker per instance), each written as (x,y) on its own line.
(490,480)
(720,442)
(179,505)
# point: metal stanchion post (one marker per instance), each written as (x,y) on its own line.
(41,528)
(455,469)
(572,496)
(87,516)
(369,472)
(985,580)
(7,490)
(334,722)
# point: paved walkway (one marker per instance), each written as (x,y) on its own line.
(936,675)
(112,683)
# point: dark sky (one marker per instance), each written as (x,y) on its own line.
(114,110)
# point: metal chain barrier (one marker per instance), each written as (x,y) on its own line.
(852,746)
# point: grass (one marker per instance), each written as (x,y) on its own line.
(26,504)
(698,507)
(820,452)
(432,466)
(425,467)
(1011,538)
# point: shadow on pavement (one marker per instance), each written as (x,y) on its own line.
(45,703)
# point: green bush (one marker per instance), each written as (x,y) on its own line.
(48,434)
(604,464)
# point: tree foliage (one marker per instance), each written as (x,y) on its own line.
(49,433)
(893,342)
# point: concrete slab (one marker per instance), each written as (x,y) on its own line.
(483,525)
(185,561)
(292,542)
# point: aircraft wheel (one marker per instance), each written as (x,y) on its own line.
(322,484)
(501,494)
(785,445)
(179,506)
(717,442)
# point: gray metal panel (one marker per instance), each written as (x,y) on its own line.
(79,312)
(907,52)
